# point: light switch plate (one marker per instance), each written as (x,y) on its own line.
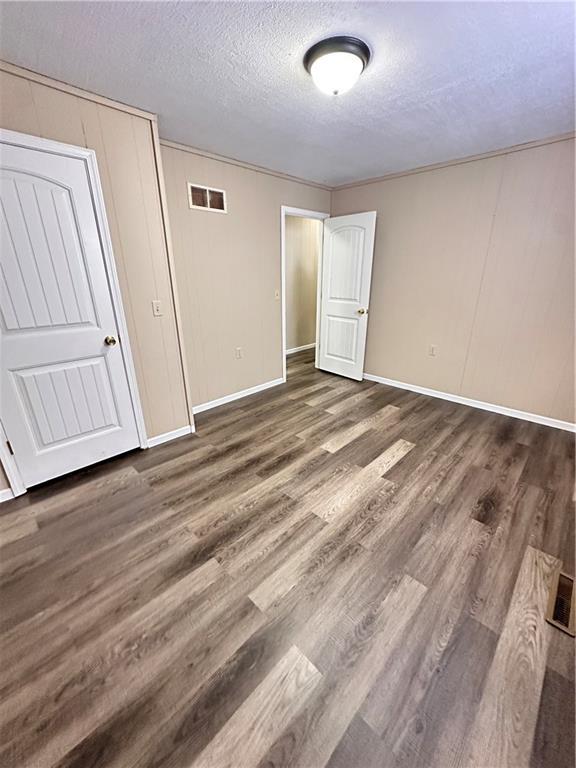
(157,308)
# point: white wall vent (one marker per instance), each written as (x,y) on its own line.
(206,198)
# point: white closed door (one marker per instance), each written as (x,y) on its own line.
(345,278)
(65,397)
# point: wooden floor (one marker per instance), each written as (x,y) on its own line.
(329,573)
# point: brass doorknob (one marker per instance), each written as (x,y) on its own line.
(109,341)
(362,311)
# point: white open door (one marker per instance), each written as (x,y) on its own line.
(346,273)
(66,398)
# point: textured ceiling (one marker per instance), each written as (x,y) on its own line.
(447,79)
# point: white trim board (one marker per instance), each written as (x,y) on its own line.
(5,495)
(300,349)
(547,421)
(167,436)
(237,395)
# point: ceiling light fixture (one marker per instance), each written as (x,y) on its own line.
(336,63)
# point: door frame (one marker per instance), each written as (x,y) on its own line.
(286,210)
(88,156)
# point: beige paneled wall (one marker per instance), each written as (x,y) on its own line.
(303,240)
(477,259)
(125,153)
(228,269)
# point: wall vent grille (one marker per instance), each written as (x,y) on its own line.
(561,606)
(206,198)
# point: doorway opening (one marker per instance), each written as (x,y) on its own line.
(335,254)
(302,233)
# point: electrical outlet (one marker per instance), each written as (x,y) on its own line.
(277,294)
(238,353)
(432,350)
(157,308)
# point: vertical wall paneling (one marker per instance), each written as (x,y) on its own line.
(123,141)
(477,260)
(228,269)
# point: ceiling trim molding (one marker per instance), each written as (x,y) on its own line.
(458,161)
(376,179)
(58,85)
(241,164)
(50,82)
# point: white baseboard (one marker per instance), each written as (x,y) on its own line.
(164,438)
(501,409)
(300,349)
(6,495)
(236,396)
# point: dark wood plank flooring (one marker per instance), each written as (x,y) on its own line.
(329,573)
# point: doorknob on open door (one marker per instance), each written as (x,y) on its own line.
(362,311)
(109,341)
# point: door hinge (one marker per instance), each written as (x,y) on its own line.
(9,444)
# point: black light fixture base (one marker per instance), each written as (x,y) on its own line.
(343,43)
